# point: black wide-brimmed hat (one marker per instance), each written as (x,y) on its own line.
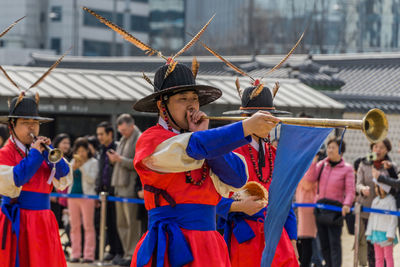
(181,79)
(26,108)
(253,102)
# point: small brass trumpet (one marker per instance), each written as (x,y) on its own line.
(374,124)
(76,157)
(55,154)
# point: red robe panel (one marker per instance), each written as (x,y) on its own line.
(39,242)
(249,253)
(208,247)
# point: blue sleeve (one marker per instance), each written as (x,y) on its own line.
(27,167)
(230,169)
(291,225)
(223,207)
(216,142)
(62,168)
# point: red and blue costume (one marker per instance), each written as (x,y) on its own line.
(244,234)
(182,210)
(29,233)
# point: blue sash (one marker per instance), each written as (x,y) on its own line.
(237,225)
(26,200)
(167,221)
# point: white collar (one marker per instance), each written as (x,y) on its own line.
(256,145)
(19,144)
(164,124)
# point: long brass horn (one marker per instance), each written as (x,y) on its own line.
(374,124)
(55,154)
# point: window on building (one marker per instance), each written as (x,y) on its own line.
(167,16)
(90,20)
(55,44)
(139,23)
(98,48)
(140,1)
(55,13)
(170,32)
(42,17)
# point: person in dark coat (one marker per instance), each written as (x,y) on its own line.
(105,135)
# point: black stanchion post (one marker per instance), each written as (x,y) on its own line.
(103,216)
(357,211)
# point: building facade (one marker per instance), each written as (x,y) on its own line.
(167,25)
(228,29)
(272,27)
(58,25)
(69,25)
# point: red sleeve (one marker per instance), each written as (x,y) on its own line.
(148,142)
(7,155)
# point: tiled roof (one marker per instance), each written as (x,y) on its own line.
(369,82)
(363,103)
(377,80)
(365,80)
(128,87)
(209,65)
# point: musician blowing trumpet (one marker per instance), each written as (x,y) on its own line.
(29,176)
(26,180)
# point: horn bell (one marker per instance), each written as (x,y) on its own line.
(55,155)
(375,125)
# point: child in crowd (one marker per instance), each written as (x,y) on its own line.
(381,228)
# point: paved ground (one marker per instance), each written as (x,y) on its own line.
(347,248)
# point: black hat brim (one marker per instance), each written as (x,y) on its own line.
(207,94)
(252,111)
(5,119)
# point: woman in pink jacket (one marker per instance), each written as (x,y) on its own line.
(306,226)
(336,184)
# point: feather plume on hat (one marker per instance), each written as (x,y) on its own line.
(3,70)
(195,67)
(11,26)
(257,91)
(23,92)
(50,69)
(170,69)
(237,83)
(147,79)
(127,36)
(256,82)
(9,78)
(275,89)
(194,39)
(149,50)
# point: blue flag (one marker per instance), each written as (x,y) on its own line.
(297,147)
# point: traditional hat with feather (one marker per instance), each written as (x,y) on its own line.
(182,79)
(171,78)
(24,106)
(258,96)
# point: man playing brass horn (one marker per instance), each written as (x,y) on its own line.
(28,228)
(185,168)
(26,180)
